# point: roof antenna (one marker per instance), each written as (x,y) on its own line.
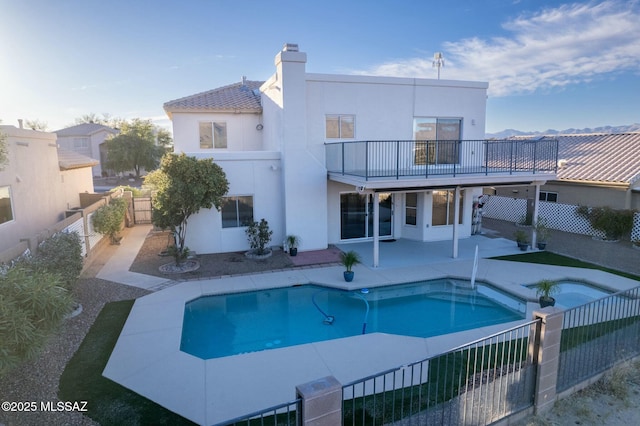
(438,62)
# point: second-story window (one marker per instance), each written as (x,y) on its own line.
(437,140)
(340,126)
(213,135)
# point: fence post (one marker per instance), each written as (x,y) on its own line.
(321,402)
(548,357)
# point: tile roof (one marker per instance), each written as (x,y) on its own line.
(84,129)
(68,160)
(243,97)
(599,157)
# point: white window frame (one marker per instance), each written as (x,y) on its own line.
(218,140)
(340,117)
(545,195)
(236,198)
(408,208)
(11,209)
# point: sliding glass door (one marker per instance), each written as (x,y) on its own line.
(356,215)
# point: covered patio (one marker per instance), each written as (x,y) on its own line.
(403,252)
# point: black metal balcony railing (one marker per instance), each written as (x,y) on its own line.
(400,159)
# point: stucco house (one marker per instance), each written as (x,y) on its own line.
(87,139)
(339,158)
(596,169)
(39,183)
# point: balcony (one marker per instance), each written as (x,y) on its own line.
(443,162)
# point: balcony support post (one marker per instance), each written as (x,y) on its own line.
(376,229)
(456,219)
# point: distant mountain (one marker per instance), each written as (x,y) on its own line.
(604,129)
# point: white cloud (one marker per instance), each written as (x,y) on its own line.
(553,48)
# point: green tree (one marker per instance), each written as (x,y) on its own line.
(182,186)
(107,220)
(139,145)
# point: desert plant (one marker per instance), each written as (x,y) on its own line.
(293,241)
(259,236)
(546,289)
(521,236)
(107,220)
(613,223)
(61,254)
(178,255)
(33,303)
(350,259)
(542,229)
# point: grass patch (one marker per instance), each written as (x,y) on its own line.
(548,258)
(108,402)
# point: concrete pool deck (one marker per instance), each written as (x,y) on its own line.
(147,357)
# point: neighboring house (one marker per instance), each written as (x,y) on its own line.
(338,158)
(593,169)
(38,184)
(87,139)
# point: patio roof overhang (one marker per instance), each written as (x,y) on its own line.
(434,182)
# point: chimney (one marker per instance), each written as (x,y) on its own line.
(290,47)
(20,123)
(244,80)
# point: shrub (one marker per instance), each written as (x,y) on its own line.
(107,220)
(61,254)
(33,303)
(614,224)
(259,236)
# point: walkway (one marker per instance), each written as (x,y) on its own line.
(147,357)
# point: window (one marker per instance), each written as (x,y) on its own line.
(81,142)
(6,208)
(340,126)
(237,211)
(433,136)
(551,197)
(443,208)
(411,208)
(213,135)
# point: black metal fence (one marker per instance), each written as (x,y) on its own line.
(597,336)
(478,383)
(287,414)
(402,158)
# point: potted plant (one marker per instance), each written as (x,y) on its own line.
(545,289)
(522,238)
(542,233)
(349,260)
(293,241)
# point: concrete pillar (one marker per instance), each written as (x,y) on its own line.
(547,353)
(321,402)
(536,202)
(376,229)
(456,219)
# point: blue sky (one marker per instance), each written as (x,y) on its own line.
(549,64)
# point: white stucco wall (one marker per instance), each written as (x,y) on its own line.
(39,195)
(254,174)
(295,103)
(242,134)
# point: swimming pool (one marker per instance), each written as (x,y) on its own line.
(232,324)
(576,293)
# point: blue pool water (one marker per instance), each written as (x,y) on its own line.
(219,326)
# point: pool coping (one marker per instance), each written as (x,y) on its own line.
(147,357)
